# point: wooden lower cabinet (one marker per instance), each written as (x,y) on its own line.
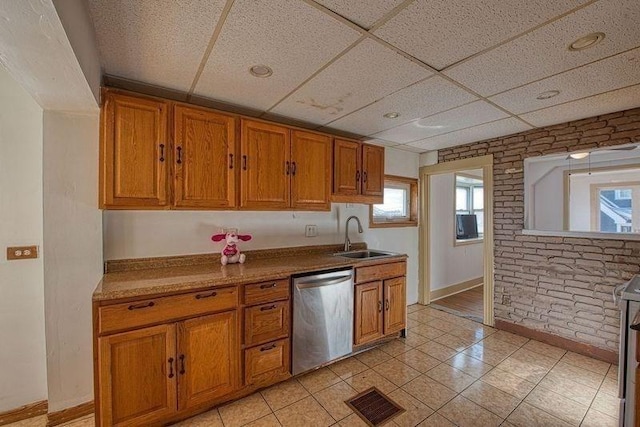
(267,364)
(380,309)
(151,374)
(137,373)
(208,359)
(368,312)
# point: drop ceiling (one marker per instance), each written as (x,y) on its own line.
(455,71)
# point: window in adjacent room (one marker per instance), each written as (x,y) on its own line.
(469,207)
(400,206)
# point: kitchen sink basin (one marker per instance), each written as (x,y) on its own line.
(365,254)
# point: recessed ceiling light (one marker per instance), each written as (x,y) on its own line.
(587,41)
(548,94)
(260,71)
(392,115)
(578,156)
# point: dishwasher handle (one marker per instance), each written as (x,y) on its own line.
(323,282)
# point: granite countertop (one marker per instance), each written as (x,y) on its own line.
(169,275)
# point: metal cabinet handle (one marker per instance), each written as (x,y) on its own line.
(182,370)
(267,286)
(171,367)
(244,162)
(293,168)
(357,176)
(269,307)
(364,176)
(286,168)
(179,161)
(209,295)
(268,347)
(143,305)
(386,305)
(162,152)
(230,161)
(379,306)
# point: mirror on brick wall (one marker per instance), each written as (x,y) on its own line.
(591,191)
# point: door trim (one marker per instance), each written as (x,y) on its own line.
(486,164)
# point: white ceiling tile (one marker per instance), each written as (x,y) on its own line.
(478,133)
(544,52)
(422,99)
(160,42)
(366,73)
(617,100)
(380,142)
(467,115)
(409,148)
(602,76)
(292,37)
(442,32)
(364,14)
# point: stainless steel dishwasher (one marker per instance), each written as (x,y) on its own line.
(322,318)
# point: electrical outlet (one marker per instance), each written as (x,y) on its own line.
(22,252)
(506,300)
(311,230)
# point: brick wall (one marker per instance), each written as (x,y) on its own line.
(557,285)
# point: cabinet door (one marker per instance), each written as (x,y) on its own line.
(134,152)
(137,372)
(372,170)
(346,167)
(265,166)
(368,312)
(310,171)
(208,358)
(204,159)
(395,305)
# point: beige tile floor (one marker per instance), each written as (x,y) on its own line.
(449,371)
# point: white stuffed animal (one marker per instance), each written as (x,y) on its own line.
(230,253)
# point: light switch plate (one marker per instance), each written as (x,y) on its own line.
(311,230)
(22,252)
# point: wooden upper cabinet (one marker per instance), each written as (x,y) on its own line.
(310,171)
(204,159)
(208,361)
(368,312)
(265,166)
(395,305)
(372,170)
(135,152)
(137,372)
(346,167)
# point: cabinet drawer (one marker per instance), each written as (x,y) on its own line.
(154,310)
(381,271)
(268,363)
(259,293)
(266,322)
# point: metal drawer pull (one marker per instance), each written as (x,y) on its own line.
(267,286)
(162,152)
(230,161)
(268,347)
(171,367)
(244,162)
(270,307)
(323,282)
(179,161)
(139,306)
(182,371)
(202,296)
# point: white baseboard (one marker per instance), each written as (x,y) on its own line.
(455,289)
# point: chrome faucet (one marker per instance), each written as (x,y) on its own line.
(347,242)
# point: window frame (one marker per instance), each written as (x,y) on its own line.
(595,189)
(377,222)
(470,197)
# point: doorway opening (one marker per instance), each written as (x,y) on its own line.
(456,244)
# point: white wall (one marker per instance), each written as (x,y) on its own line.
(136,234)
(72,253)
(449,264)
(22,343)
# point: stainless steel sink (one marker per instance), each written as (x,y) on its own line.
(365,254)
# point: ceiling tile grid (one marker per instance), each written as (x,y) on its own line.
(495,129)
(442,32)
(363,14)
(291,37)
(366,73)
(602,76)
(465,116)
(159,42)
(425,98)
(545,52)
